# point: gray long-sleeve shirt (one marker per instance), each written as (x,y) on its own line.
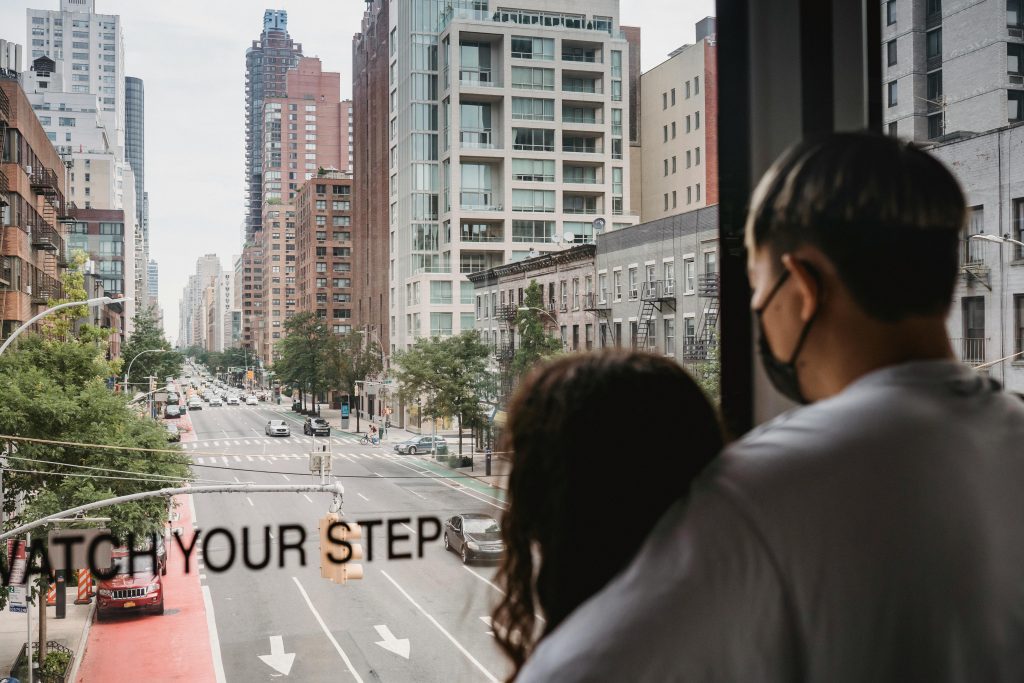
(875,536)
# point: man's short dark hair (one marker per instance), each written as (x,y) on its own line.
(887,214)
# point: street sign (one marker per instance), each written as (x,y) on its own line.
(315,460)
(18,598)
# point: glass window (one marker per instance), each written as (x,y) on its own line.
(524,47)
(534,170)
(533,109)
(533,78)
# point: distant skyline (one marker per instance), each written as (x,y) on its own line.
(191,57)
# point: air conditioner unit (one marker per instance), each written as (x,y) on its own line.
(1016,33)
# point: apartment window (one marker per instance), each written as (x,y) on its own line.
(689,332)
(973,317)
(669,276)
(934,87)
(933,43)
(936,125)
(892,91)
(575,293)
(696,157)
(696,120)
(687,124)
(534,170)
(602,287)
(673,91)
(688,159)
(1018,323)
(440,324)
(664,100)
(673,164)
(673,130)
(633,292)
(696,192)
(890,12)
(666,201)
(890,49)
(1015,105)
(533,78)
(441,292)
(535,139)
(524,47)
(687,89)
(617,284)
(696,85)
(616,70)
(689,194)
(616,91)
(1018,226)
(665,164)
(533,109)
(664,133)
(1014,53)
(893,129)
(674,199)
(669,325)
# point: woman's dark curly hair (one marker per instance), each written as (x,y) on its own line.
(586,489)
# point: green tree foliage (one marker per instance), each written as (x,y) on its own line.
(351,358)
(448,376)
(59,325)
(148,335)
(708,374)
(535,344)
(303,358)
(55,390)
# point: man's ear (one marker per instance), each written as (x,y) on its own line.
(807,282)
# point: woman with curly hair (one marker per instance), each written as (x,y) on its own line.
(584,492)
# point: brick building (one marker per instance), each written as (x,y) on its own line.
(323,245)
(32,191)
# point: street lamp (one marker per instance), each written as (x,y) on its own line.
(88,302)
(523,309)
(997,239)
(129,370)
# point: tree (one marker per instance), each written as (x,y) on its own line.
(448,375)
(303,361)
(59,325)
(147,336)
(707,374)
(350,359)
(535,344)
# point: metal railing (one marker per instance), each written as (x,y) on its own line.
(477,138)
(657,290)
(477,77)
(43,236)
(4,187)
(590,59)
(972,253)
(5,107)
(970,350)
(707,285)
(45,288)
(582,149)
(43,179)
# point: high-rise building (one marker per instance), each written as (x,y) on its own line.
(33,205)
(135,151)
(266,63)
(106,237)
(89,51)
(302,132)
(10,56)
(194,323)
(323,245)
(679,168)
(508,133)
(153,281)
(370,149)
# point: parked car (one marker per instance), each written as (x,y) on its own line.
(316,426)
(215,401)
(474,537)
(195,404)
(172,432)
(278,428)
(171,411)
(233,401)
(421,444)
(141,590)
(172,397)
(251,401)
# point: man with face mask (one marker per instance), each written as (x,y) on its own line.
(876,535)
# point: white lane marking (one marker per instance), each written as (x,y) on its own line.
(211,626)
(192,509)
(378,474)
(238,480)
(201,461)
(216,443)
(250,458)
(487,620)
(346,457)
(413,532)
(307,497)
(363,497)
(286,477)
(416,494)
(224,458)
(464,651)
(443,480)
(250,501)
(237,443)
(495,587)
(202,577)
(245,441)
(327,631)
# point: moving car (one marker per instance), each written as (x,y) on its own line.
(172,432)
(141,590)
(233,401)
(278,428)
(195,404)
(172,398)
(474,537)
(421,444)
(251,401)
(215,401)
(316,426)
(172,411)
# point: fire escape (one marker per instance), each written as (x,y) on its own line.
(5,265)
(655,295)
(602,310)
(505,350)
(45,234)
(700,347)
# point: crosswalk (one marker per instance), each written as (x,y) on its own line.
(351,457)
(204,443)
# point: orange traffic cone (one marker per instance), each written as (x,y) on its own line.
(51,594)
(84,584)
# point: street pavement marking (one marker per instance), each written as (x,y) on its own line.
(249,457)
(327,632)
(216,443)
(411,530)
(211,627)
(416,494)
(464,651)
(201,461)
(245,441)
(237,443)
(460,489)
(363,497)
(224,458)
(286,477)
(487,620)
(307,497)
(346,457)
(250,501)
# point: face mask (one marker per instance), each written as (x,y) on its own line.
(781,374)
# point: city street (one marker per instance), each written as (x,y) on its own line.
(408,619)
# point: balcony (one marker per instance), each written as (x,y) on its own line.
(506,312)
(593,303)
(4,187)
(658,290)
(707,285)
(586,87)
(44,181)
(478,78)
(698,349)
(970,350)
(5,108)
(45,288)
(478,138)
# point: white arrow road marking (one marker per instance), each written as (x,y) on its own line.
(278,660)
(400,646)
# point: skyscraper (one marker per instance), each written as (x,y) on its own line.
(266,63)
(135,151)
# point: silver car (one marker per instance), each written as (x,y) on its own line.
(278,428)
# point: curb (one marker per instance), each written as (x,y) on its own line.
(80,655)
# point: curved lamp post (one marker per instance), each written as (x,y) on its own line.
(129,370)
(88,302)
(540,310)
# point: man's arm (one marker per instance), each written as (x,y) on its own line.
(702,601)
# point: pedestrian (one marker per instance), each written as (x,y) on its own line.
(560,463)
(876,535)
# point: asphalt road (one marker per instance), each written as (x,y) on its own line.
(421,619)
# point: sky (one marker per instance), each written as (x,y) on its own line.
(191,56)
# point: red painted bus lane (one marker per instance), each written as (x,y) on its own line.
(174,646)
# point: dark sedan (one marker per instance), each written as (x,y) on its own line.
(316,426)
(474,537)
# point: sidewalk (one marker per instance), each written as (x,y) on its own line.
(70,632)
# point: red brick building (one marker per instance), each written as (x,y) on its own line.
(323,245)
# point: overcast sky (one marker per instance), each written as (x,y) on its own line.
(191,56)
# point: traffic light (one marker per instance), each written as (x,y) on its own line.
(337,551)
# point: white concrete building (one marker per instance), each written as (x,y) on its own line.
(89,49)
(509,132)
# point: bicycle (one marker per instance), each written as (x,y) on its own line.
(368,441)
